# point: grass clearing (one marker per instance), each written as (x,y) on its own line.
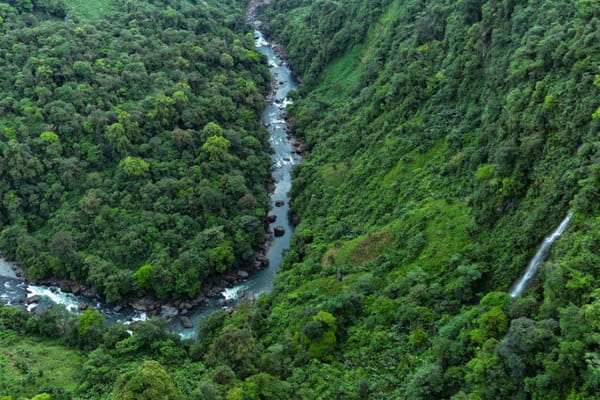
(92,9)
(342,76)
(28,364)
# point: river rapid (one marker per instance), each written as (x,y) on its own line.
(15,291)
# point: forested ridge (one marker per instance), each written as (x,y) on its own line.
(444,140)
(132,159)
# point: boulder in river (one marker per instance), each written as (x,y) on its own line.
(243,274)
(262,261)
(271,218)
(33,299)
(186,323)
(82,306)
(169,312)
(240,294)
(279,230)
(279,203)
(76,288)
(143,304)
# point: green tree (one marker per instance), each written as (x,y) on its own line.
(217,148)
(143,276)
(90,329)
(134,166)
(150,382)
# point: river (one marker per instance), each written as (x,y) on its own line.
(14,291)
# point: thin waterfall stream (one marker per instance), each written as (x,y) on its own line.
(540,255)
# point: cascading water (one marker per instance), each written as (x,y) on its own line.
(538,258)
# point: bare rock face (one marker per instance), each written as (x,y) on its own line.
(278,230)
(186,323)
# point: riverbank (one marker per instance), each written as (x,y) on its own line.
(10,269)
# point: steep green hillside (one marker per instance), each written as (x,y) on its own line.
(446,140)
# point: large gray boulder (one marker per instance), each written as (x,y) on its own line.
(186,323)
(279,230)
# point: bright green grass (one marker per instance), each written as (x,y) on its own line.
(444,233)
(26,365)
(92,9)
(413,165)
(359,250)
(333,174)
(341,76)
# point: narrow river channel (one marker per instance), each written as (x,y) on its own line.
(14,291)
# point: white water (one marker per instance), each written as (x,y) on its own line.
(538,258)
(56,296)
(232,292)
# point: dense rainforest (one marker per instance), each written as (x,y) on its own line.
(444,138)
(132,158)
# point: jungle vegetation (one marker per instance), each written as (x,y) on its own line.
(131,154)
(444,140)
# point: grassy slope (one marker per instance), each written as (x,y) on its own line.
(29,365)
(92,9)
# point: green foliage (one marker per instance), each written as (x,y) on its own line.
(90,329)
(149,382)
(444,140)
(122,140)
(31,365)
(134,166)
(217,148)
(143,276)
(49,137)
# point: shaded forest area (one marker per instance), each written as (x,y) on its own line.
(132,158)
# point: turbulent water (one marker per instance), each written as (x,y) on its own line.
(14,291)
(538,258)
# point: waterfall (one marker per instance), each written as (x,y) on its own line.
(540,255)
